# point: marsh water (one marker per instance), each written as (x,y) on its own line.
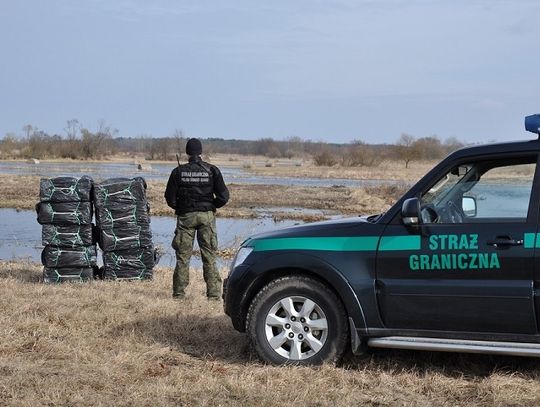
(21,235)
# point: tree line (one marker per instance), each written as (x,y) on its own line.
(102,142)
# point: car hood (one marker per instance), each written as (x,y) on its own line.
(358,226)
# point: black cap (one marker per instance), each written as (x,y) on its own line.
(194,147)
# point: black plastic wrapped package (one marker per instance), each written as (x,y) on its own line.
(69,257)
(129,264)
(67,235)
(125,237)
(60,275)
(64,213)
(120,190)
(65,189)
(116,214)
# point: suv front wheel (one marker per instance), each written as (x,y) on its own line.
(297,320)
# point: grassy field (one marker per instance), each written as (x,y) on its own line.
(386,170)
(130,344)
(22,192)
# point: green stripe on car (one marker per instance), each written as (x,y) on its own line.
(334,244)
(529,240)
(392,243)
(346,244)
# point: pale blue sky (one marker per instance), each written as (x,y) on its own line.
(323,70)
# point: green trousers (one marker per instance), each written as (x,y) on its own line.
(202,224)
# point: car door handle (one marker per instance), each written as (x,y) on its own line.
(504,241)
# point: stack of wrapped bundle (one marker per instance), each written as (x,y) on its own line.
(65,212)
(123,220)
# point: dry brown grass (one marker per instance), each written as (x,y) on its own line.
(130,344)
(22,192)
(386,170)
(19,191)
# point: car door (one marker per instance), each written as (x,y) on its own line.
(469,265)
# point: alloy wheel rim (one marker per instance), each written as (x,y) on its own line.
(296,328)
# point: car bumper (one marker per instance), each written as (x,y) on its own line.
(233,296)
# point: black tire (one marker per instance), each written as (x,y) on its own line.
(268,320)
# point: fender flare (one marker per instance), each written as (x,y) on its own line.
(283,264)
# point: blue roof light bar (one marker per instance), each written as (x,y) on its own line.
(532,123)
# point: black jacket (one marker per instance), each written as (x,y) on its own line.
(196,186)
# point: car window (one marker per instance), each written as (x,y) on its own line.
(481,191)
(504,192)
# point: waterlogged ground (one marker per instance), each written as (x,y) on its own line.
(247,200)
(255,206)
(21,235)
(161,171)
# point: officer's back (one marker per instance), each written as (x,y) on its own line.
(196,186)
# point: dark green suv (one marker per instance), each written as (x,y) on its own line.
(452,266)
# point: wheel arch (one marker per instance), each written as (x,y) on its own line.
(307,266)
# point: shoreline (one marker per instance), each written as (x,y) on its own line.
(247,200)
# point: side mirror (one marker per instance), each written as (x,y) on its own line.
(468,204)
(410,212)
(461,170)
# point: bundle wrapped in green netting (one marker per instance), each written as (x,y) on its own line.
(123,191)
(123,218)
(117,214)
(64,213)
(65,210)
(69,257)
(65,189)
(125,237)
(67,235)
(60,275)
(135,264)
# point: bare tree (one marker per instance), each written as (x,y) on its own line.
(95,145)
(179,141)
(8,145)
(141,143)
(72,129)
(406,150)
(161,148)
(428,147)
(71,148)
(37,144)
(268,147)
(295,146)
(28,128)
(359,154)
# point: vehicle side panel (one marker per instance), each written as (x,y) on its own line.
(349,274)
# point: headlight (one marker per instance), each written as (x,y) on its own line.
(241,256)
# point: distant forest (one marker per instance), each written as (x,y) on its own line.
(81,143)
